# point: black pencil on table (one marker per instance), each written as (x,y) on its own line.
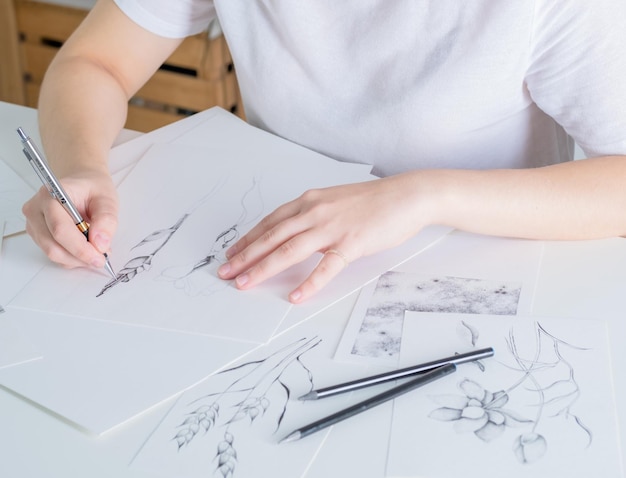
(390,394)
(396,374)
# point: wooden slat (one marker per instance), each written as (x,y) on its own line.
(11,85)
(31,94)
(182,91)
(146,119)
(36,59)
(37,21)
(202,76)
(190,53)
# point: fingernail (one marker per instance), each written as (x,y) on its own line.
(242,279)
(224,269)
(295,296)
(230,252)
(98,263)
(102,242)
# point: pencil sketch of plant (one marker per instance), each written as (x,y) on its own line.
(547,378)
(143,263)
(253,391)
(467,332)
(161,237)
(189,277)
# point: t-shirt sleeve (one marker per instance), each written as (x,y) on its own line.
(577,71)
(170,18)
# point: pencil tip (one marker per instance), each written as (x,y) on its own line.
(108,267)
(291,437)
(309,396)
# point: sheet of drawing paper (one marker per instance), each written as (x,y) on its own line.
(98,375)
(14,192)
(180,209)
(21,261)
(543,406)
(463,273)
(124,157)
(231,424)
(15,348)
(356,447)
(569,271)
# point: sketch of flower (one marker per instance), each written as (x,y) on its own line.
(477,410)
(529,447)
(546,375)
(256,388)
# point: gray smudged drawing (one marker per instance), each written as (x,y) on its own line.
(380,334)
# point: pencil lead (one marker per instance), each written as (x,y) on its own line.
(291,437)
(309,396)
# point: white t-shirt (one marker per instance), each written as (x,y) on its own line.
(406,84)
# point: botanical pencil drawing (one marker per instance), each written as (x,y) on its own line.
(548,391)
(189,277)
(183,276)
(251,392)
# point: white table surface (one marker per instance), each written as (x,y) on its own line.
(584,279)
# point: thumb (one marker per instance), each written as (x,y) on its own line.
(103,213)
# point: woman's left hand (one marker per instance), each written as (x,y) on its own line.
(342,222)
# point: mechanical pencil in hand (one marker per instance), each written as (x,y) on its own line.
(37,161)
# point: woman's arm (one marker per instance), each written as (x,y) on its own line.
(583,199)
(82,108)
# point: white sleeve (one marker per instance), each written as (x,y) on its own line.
(577,70)
(170,18)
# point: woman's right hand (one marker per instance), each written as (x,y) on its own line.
(53,230)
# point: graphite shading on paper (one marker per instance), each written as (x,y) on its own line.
(180,208)
(543,406)
(465,273)
(14,192)
(374,331)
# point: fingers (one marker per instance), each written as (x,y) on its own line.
(103,212)
(278,242)
(274,251)
(264,231)
(284,256)
(343,222)
(54,231)
(332,263)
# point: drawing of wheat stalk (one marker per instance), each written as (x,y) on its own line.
(249,402)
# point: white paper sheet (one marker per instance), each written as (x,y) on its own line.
(465,273)
(98,375)
(180,208)
(21,260)
(15,348)
(543,406)
(14,192)
(231,424)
